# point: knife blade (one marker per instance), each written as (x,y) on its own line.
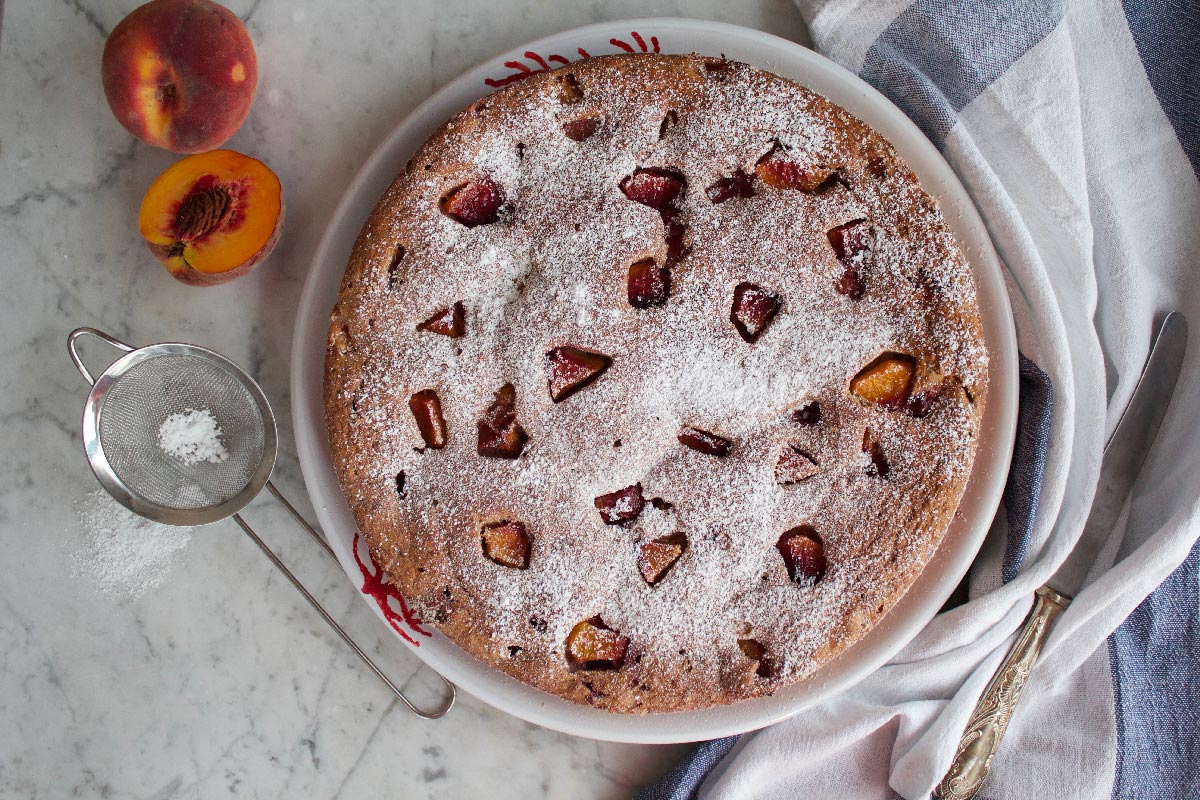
(1124,454)
(1126,450)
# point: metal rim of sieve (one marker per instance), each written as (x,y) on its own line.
(94,445)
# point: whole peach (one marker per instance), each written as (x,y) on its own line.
(180,74)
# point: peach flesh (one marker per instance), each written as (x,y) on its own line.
(655,558)
(507,543)
(886,382)
(593,645)
(212,217)
(180,74)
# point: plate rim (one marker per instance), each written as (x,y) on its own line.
(982,493)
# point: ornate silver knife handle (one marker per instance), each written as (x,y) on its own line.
(1124,454)
(989,720)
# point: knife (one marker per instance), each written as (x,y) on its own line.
(1124,454)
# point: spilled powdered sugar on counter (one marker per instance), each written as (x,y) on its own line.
(122,554)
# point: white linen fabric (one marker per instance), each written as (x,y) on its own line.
(1074,128)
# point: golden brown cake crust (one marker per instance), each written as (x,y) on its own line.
(551,271)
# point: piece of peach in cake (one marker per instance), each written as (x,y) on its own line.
(593,645)
(507,543)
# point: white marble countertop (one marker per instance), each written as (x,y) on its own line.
(220,681)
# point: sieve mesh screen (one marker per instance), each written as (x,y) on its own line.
(141,399)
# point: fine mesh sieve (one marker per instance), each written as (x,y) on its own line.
(128,404)
(155,389)
(137,393)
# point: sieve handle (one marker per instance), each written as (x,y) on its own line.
(437,713)
(101,335)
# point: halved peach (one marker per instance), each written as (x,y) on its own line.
(212,217)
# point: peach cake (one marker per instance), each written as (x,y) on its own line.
(655,381)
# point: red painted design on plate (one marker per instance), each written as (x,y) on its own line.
(378,589)
(520,70)
(641,43)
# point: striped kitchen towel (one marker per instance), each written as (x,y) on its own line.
(1076,129)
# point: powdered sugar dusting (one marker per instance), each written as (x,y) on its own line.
(192,436)
(552,272)
(120,553)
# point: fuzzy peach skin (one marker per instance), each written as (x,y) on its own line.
(212,217)
(180,74)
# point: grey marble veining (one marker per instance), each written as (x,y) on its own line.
(221,682)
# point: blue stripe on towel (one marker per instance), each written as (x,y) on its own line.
(1155,654)
(684,780)
(1167,35)
(1155,661)
(938,55)
(1024,485)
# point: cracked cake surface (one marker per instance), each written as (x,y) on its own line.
(654,381)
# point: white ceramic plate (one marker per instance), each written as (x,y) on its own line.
(785,58)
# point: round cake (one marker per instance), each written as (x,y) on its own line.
(655,381)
